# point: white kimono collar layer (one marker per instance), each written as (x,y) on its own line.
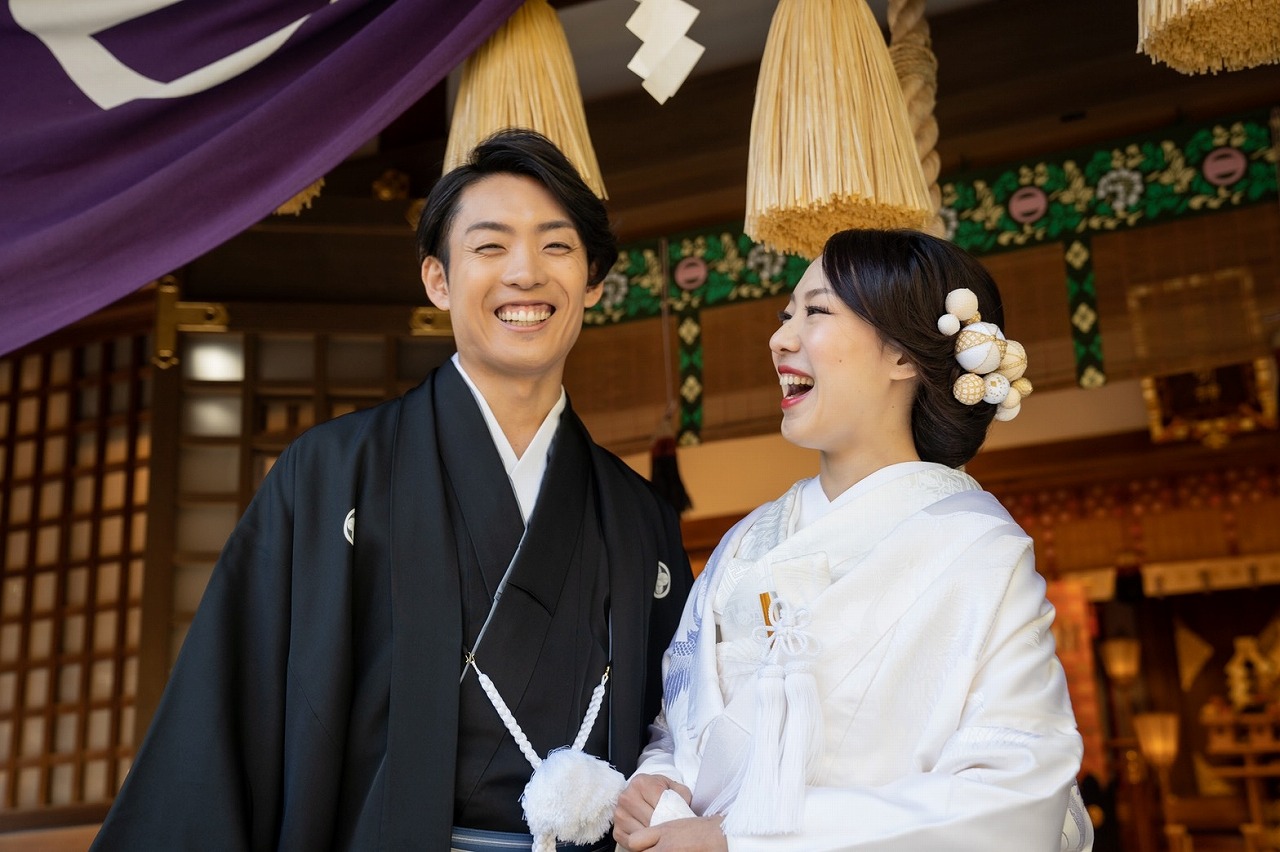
(879,502)
(526,471)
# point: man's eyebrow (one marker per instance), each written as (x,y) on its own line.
(555,225)
(488,225)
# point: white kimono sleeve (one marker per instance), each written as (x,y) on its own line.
(657,757)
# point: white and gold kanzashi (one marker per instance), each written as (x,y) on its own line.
(994,365)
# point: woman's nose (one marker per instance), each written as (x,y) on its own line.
(783,338)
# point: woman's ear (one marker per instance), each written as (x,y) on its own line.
(901,368)
(435,282)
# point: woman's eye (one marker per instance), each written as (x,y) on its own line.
(816,309)
(783,316)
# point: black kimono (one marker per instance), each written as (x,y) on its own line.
(316,700)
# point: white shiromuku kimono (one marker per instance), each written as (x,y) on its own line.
(882,677)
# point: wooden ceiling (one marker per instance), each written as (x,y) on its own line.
(1017,79)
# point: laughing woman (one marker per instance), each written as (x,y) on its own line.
(867,663)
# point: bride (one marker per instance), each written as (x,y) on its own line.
(867,663)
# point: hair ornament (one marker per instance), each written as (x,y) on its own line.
(969,388)
(993,365)
(980,347)
(995,388)
(1014,362)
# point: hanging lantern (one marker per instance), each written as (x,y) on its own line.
(831,144)
(1195,36)
(523,76)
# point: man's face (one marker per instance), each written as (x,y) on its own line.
(516,286)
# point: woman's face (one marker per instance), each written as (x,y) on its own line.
(843,391)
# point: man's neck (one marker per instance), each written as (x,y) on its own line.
(519,404)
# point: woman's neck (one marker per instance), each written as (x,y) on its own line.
(837,473)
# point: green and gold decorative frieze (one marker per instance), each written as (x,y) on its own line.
(1189,171)
(708,268)
(1065,198)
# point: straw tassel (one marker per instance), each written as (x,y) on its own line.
(1195,36)
(831,145)
(523,76)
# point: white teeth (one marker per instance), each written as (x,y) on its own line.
(524,316)
(789,379)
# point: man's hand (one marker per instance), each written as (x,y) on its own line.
(636,804)
(697,834)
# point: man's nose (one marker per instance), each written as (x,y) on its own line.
(523,267)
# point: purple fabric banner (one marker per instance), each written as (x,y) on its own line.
(135,135)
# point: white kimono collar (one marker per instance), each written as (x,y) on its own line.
(526,471)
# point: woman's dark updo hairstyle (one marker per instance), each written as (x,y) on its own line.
(898,282)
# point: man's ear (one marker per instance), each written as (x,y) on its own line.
(593,294)
(435,282)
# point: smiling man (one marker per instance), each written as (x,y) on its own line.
(329,692)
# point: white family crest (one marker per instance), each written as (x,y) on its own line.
(349,527)
(662,588)
(68,30)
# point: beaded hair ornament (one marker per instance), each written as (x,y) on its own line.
(994,365)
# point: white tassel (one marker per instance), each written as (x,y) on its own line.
(801,742)
(756,809)
(787,735)
(571,797)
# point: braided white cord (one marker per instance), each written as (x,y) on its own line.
(505,714)
(593,709)
(513,727)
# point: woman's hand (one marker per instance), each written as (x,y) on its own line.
(636,804)
(697,834)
